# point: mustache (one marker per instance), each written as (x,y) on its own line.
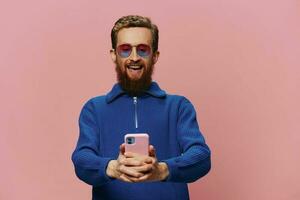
(134,63)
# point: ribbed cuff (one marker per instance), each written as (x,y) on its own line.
(102,169)
(174,173)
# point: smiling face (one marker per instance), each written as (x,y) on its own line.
(134,68)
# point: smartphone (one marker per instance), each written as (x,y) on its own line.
(137,143)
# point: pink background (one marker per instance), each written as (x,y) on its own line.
(236,60)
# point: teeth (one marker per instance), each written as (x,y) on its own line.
(135,67)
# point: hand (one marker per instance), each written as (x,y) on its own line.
(126,169)
(152,171)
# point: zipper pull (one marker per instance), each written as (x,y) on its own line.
(135,100)
(135,112)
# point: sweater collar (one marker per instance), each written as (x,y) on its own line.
(117,91)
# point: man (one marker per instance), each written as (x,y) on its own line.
(178,153)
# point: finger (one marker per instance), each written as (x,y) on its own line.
(146,177)
(144,169)
(139,157)
(131,162)
(152,152)
(148,160)
(121,159)
(123,177)
(122,148)
(132,179)
(129,154)
(129,171)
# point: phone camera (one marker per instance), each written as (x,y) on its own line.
(130,140)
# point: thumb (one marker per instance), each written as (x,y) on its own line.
(152,152)
(122,148)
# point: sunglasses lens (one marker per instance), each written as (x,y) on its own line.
(124,50)
(143,50)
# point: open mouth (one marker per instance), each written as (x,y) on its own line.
(134,67)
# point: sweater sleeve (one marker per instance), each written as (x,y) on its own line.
(194,161)
(89,165)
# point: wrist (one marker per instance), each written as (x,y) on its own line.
(164,170)
(111,168)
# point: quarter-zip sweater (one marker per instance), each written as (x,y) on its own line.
(170,121)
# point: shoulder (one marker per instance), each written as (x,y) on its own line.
(180,99)
(93,102)
(181,102)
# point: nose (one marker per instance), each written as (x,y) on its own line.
(134,56)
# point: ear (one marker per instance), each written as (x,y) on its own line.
(155,56)
(113,55)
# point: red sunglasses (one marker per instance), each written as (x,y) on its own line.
(143,50)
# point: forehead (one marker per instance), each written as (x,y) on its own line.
(134,36)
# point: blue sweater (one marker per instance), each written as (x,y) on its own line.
(170,121)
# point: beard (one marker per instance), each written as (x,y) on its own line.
(135,87)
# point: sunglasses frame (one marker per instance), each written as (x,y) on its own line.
(137,51)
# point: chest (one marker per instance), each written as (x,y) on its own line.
(136,115)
